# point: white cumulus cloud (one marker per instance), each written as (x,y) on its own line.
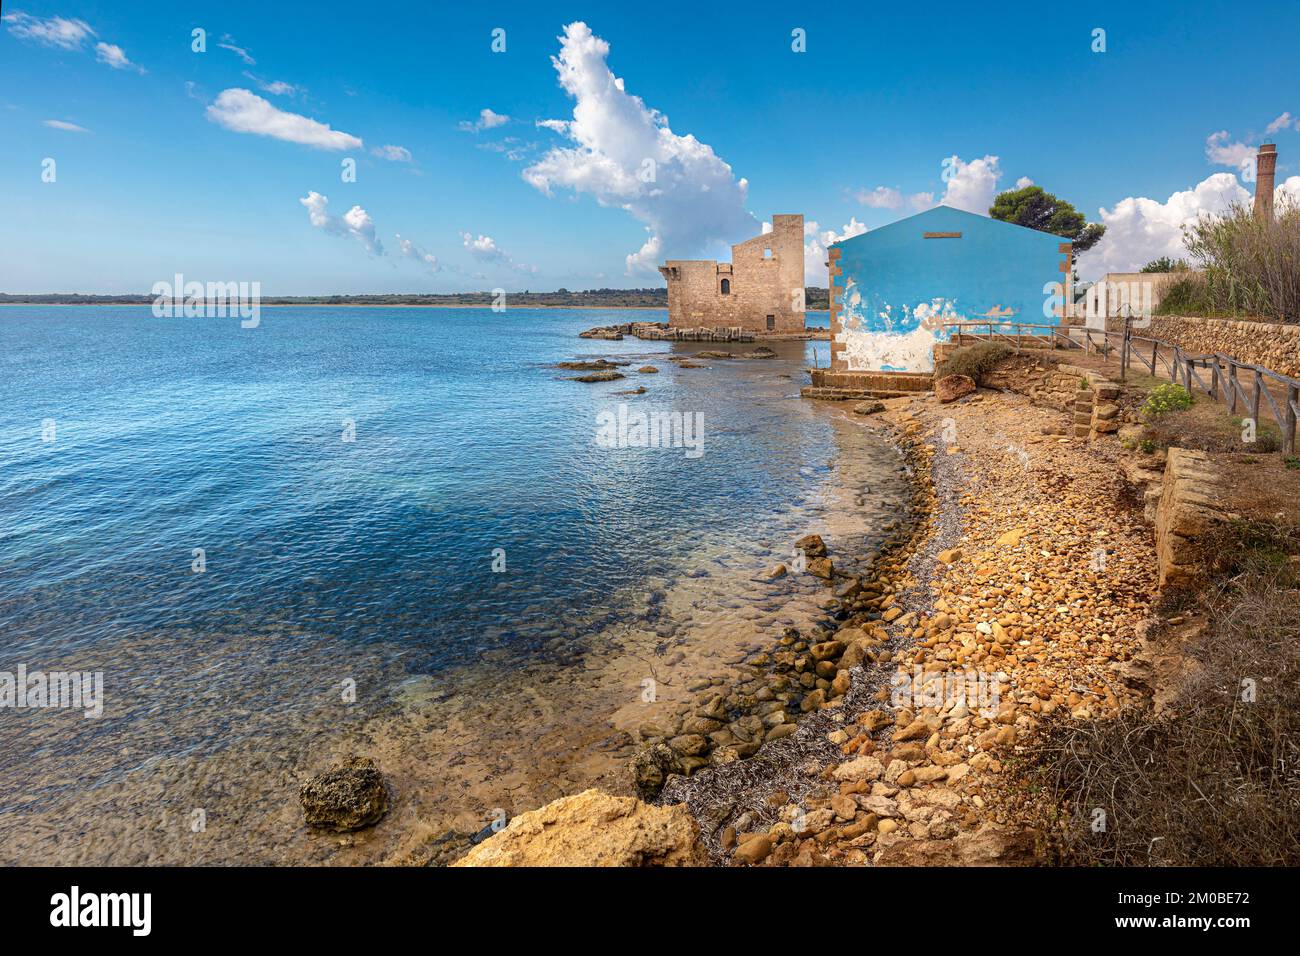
(1139,229)
(624,154)
(409,250)
(355,223)
(243,111)
(487,119)
(816,242)
(882,197)
(485,249)
(971,186)
(1220,151)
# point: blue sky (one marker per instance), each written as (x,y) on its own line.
(225,165)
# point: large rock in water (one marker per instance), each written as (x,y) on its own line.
(348,796)
(952,387)
(812,546)
(595,829)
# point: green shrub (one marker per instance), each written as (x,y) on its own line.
(1147,446)
(1166,398)
(975,361)
(1292,462)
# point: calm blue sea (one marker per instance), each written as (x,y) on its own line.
(130,441)
(352,479)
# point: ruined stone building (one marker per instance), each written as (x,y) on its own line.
(760,290)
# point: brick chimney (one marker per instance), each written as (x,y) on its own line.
(1265,164)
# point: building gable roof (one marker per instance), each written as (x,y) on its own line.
(946,219)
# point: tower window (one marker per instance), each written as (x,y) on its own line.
(726,287)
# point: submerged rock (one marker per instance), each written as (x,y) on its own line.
(607,375)
(595,829)
(762,352)
(348,796)
(584,365)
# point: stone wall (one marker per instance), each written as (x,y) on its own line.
(1046,382)
(760,290)
(1273,346)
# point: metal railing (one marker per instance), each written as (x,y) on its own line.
(1225,373)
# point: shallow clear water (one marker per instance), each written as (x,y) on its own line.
(370,560)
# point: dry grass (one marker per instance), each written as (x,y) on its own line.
(974,361)
(1215,779)
(1247,267)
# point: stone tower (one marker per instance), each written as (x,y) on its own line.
(1265,168)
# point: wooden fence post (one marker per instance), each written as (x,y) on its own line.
(1288,427)
(1254,404)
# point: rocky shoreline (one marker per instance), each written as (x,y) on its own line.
(893,732)
(995,630)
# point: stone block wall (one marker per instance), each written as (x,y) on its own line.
(1047,383)
(1273,346)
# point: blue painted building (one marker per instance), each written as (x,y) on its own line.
(893,287)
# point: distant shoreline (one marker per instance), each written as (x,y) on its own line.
(638,300)
(366,305)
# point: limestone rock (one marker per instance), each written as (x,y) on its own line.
(952,387)
(821,568)
(812,546)
(348,796)
(990,845)
(607,375)
(595,829)
(651,767)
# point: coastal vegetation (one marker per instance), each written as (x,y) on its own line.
(973,361)
(1035,208)
(1245,266)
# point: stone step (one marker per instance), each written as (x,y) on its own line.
(873,381)
(848,394)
